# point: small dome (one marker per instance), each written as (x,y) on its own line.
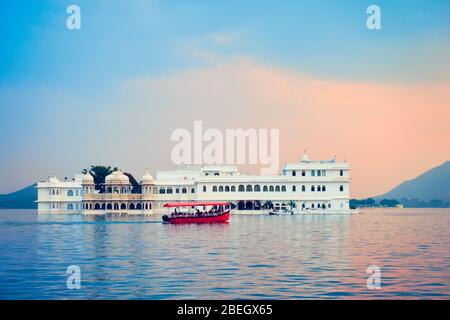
(117,177)
(305,158)
(87,179)
(147,178)
(54,180)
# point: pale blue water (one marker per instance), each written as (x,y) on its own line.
(252,257)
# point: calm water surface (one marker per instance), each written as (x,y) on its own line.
(252,257)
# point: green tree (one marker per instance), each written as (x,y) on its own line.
(136,186)
(268,205)
(292,205)
(389,203)
(99,174)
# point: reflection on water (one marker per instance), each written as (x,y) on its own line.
(252,257)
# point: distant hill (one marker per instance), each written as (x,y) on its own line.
(21,199)
(431,185)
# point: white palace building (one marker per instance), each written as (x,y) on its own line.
(304,187)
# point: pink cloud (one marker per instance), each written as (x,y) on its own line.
(388,133)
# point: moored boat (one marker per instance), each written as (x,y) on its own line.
(197,212)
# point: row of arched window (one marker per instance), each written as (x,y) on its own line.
(71,193)
(257,188)
(117,189)
(170,190)
(115,206)
(319,173)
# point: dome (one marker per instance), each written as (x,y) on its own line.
(305,158)
(117,177)
(87,179)
(147,178)
(53,180)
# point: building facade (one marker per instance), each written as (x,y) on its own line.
(305,186)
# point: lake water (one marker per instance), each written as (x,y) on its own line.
(252,257)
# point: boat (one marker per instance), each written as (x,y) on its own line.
(197,212)
(276,212)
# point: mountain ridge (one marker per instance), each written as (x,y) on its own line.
(20,199)
(433,184)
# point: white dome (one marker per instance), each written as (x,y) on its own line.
(117,177)
(147,178)
(305,158)
(54,180)
(87,179)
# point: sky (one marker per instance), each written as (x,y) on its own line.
(114,91)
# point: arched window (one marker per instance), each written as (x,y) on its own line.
(109,206)
(70,193)
(132,206)
(283,188)
(249,188)
(312,205)
(294,173)
(97,206)
(265,189)
(184,190)
(329,205)
(227,189)
(341,173)
(271,189)
(177,190)
(341,188)
(204,188)
(303,188)
(214,188)
(313,189)
(150,206)
(124,189)
(162,191)
(138,206)
(123,206)
(233,189)
(303,173)
(220,188)
(294,188)
(277,189)
(116,206)
(70,206)
(323,188)
(318,173)
(313,173)
(318,188)
(241,188)
(169,190)
(257,188)
(216,174)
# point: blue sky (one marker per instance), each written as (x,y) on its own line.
(52,78)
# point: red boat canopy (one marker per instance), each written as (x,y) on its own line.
(194,204)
